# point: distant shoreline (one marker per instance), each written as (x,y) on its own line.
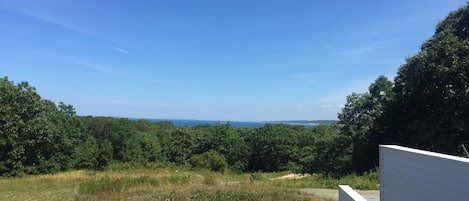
(249,124)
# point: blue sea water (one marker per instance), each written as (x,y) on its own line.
(249,124)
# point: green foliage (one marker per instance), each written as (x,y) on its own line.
(114,130)
(182,145)
(104,153)
(431,109)
(225,140)
(359,121)
(426,108)
(273,147)
(211,160)
(141,148)
(42,137)
(329,152)
(37,136)
(86,154)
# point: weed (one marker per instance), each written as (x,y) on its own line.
(257,176)
(177,179)
(101,185)
(210,179)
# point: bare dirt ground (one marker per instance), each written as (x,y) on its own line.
(291,176)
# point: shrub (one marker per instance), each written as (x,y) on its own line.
(211,160)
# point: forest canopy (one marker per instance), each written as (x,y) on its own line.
(38,136)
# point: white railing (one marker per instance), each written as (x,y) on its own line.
(412,174)
(348,194)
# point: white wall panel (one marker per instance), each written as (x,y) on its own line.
(411,174)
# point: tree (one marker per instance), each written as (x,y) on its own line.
(273,147)
(141,148)
(328,152)
(36,135)
(359,119)
(18,106)
(115,130)
(86,154)
(225,140)
(431,107)
(182,145)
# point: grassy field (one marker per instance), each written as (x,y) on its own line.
(367,181)
(157,184)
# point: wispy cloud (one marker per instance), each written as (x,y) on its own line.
(85,64)
(52,21)
(64,25)
(102,68)
(121,50)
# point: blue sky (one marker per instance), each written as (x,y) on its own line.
(210,60)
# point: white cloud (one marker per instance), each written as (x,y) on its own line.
(56,21)
(83,63)
(102,68)
(121,50)
(326,106)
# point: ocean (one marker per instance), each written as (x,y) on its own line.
(249,124)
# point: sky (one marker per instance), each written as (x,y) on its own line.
(233,60)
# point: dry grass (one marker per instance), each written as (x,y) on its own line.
(147,184)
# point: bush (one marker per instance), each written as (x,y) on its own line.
(211,160)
